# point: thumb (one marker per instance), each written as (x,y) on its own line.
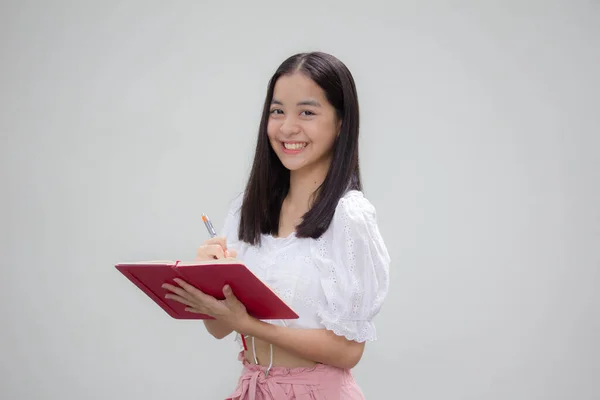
(231,253)
(229,296)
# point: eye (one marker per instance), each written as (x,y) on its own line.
(308,113)
(276,111)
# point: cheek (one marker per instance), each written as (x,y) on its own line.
(272,128)
(323,133)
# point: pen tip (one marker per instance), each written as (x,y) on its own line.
(203,217)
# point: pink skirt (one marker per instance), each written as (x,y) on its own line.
(321,382)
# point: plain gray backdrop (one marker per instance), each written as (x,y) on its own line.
(121,122)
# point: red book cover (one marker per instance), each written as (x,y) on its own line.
(261,302)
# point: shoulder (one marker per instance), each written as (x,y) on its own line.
(356,200)
(354,208)
(355,227)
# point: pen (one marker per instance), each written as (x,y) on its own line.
(209,226)
(213,233)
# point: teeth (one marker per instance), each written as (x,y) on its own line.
(294,146)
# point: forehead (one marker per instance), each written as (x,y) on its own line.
(297,87)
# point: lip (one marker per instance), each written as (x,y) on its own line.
(292,151)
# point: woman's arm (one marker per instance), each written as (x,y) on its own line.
(318,345)
(216,328)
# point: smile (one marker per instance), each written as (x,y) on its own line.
(293,147)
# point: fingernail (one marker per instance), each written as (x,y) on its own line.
(226,254)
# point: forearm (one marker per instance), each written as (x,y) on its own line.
(217,328)
(318,345)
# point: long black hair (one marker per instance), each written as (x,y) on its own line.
(269,180)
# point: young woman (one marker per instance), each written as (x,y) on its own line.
(304,227)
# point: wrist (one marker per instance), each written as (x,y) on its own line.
(250,326)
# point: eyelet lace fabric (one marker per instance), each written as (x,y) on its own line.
(337,282)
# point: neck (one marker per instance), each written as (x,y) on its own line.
(303,184)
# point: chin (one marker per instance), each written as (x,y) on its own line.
(292,166)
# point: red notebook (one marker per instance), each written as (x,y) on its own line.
(208,276)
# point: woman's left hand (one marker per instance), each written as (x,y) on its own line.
(229,311)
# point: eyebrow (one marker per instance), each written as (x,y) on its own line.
(313,103)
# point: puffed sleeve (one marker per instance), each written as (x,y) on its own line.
(353,264)
(231,223)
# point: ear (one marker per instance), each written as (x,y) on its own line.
(339,127)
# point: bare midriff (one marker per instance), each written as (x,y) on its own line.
(281,357)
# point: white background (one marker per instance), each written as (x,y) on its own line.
(121,122)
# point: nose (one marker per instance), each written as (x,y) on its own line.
(289,127)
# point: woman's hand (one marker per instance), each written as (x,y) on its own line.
(198,302)
(230,311)
(214,248)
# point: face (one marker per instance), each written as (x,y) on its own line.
(303,125)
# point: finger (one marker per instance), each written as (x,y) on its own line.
(179,291)
(195,292)
(180,299)
(210,251)
(196,311)
(232,253)
(220,240)
(217,241)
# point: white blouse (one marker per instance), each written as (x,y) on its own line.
(337,282)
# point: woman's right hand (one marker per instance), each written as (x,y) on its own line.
(213,249)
